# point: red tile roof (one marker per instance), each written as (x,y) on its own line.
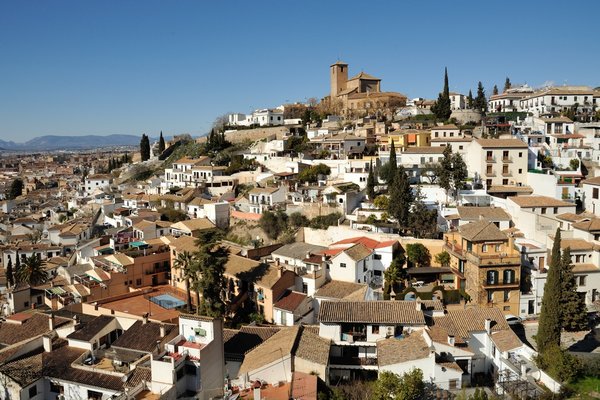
(290,301)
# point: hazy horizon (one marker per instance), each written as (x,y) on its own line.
(102,68)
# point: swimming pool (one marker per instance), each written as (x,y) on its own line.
(167,301)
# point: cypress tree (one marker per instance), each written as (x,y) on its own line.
(393,161)
(480,102)
(17,268)
(145,147)
(161,143)
(470,99)
(507,84)
(16,188)
(9,273)
(371,183)
(549,324)
(573,314)
(442,107)
(401,198)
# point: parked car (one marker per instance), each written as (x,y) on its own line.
(513,320)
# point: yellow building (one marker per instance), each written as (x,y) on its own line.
(486,265)
(405,138)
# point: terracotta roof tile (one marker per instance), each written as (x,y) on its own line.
(396,351)
(377,312)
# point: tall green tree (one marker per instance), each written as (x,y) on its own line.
(210,283)
(184,262)
(16,188)
(9,273)
(442,107)
(423,221)
(401,199)
(32,271)
(371,183)
(549,323)
(388,171)
(507,84)
(480,102)
(452,172)
(495,90)
(145,147)
(161,143)
(573,316)
(470,100)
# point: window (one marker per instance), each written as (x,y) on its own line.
(54,388)
(33,391)
(377,256)
(508,276)
(484,248)
(490,296)
(93,395)
(520,154)
(342,265)
(595,193)
(375,329)
(304,288)
(498,248)
(453,384)
(460,147)
(200,332)
(520,170)
(138,282)
(26,304)
(555,210)
(492,277)
(582,280)
(506,308)
(506,295)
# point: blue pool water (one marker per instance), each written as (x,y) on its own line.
(167,301)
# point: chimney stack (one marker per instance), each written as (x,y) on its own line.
(145,319)
(47,341)
(163,331)
(488,326)
(451,340)
(418,304)
(51,322)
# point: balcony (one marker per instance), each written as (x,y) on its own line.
(490,159)
(352,337)
(506,173)
(158,270)
(492,259)
(490,173)
(353,361)
(507,159)
(501,285)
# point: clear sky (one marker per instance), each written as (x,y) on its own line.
(129,67)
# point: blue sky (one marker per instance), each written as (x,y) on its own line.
(129,67)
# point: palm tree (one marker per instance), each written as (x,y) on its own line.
(32,271)
(184,261)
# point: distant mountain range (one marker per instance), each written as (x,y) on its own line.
(55,142)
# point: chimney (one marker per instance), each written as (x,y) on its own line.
(451,340)
(47,341)
(418,304)
(145,319)
(279,271)
(488,326)
(511,243)
(51,322)
(523,371)
(163,331)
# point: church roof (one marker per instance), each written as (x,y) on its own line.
(364,75)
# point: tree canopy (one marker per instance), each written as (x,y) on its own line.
(391,386)
(452,172)
(311,174)
(573,315)
(16,188)
(418,255)
(480,102)
(400,198)
(442,107)
(145,147)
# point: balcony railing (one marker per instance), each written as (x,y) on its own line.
(352,337)
(506,173)
(357,361)
(492,259)
(495,285)
(507,159)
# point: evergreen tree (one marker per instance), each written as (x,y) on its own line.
(573,316)
(507,84)
(16,188)
(9,273)
(161,143)
(388,171)
(401,198)
(495,90)
(145,147)
(442,107)
(371,183)
(549,323)
(470,100)
(210,282)
(452,172)
(480,102)
(423,221)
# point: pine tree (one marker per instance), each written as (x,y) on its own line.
(401,198)
(470,100)
(573,314)
(161,143)
(371,183)
(423,221)
(495,90)
(480,102)
(442,107)
(549,323)
(388,171)
(9,273)
(16,188)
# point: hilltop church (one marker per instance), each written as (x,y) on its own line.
(361,94)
